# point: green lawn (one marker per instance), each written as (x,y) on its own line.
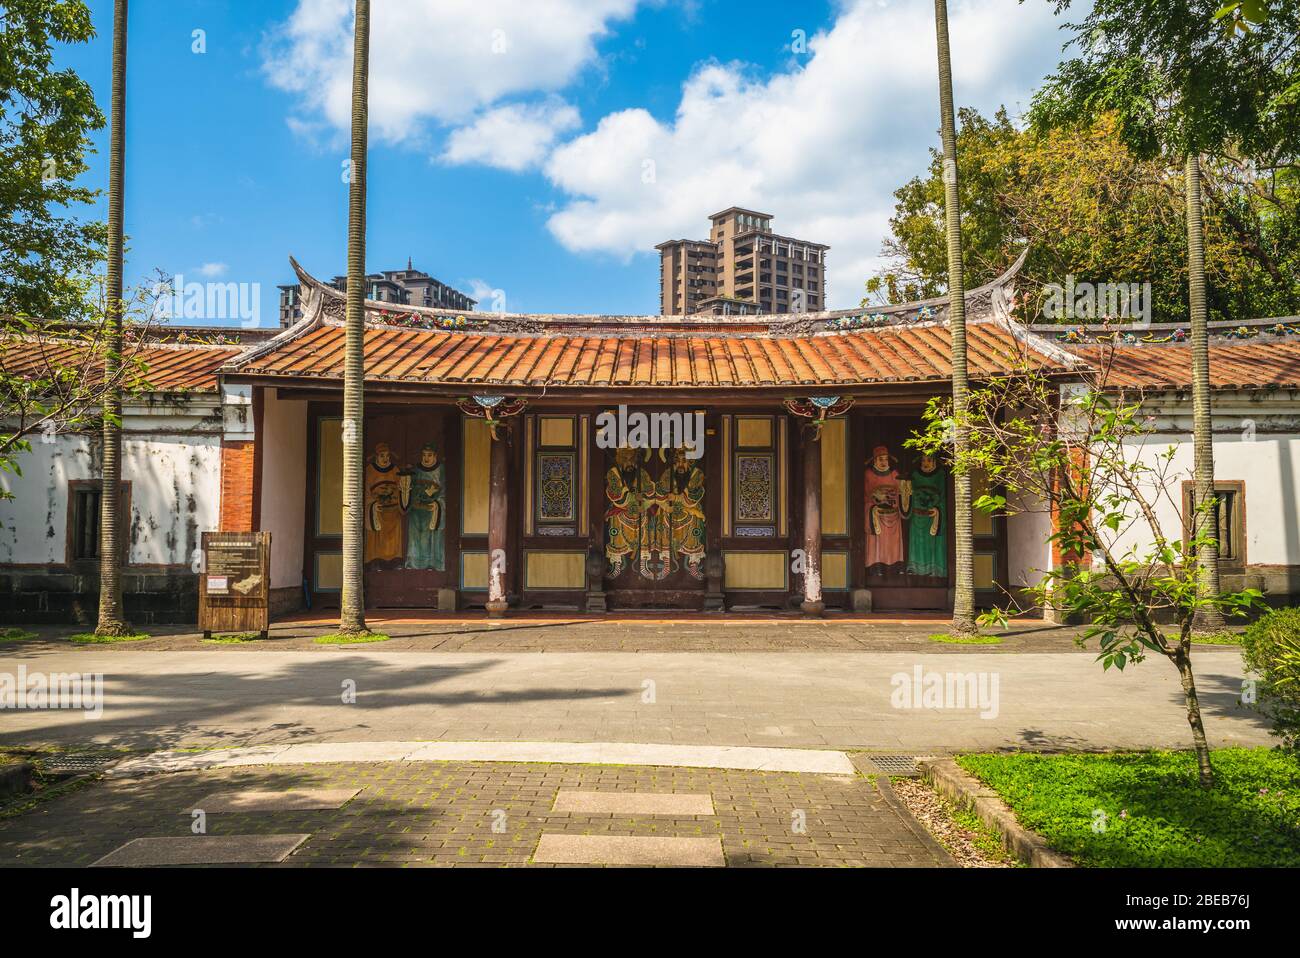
(1150,810)
(90,638)
(965,639)
(350,639)
(16,635)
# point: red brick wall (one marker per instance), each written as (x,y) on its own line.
(237,486)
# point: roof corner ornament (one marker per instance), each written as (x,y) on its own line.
(493,410)
(818,409)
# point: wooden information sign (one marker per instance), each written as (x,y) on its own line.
(234,584)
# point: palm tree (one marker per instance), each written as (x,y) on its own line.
(1211,618)
(352,607)
(111,621)
(963,605)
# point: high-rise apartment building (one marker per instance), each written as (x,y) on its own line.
(742,263)
(409,287)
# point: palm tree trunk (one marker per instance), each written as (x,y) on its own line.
(111,621)
(963,606)
(352,607)
(1202,421)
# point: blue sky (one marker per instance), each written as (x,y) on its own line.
(540,149)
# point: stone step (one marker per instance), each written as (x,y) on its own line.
(566,849)
(633,803)
(202,850)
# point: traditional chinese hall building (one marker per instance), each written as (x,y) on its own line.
(704,462)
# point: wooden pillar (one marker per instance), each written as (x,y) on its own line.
(812,523)
(498,525)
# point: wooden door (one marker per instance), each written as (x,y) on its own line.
(410,522)
(655,529)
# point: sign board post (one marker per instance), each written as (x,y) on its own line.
(234,584)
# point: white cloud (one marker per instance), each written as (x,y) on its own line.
(513,137)
(822,147)
(439,60)
(212,270)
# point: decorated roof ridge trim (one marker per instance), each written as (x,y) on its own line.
(1084,336)
(66,342)
(779,324)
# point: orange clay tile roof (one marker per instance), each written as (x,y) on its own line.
(1233,365)
(702,359)
(162,368)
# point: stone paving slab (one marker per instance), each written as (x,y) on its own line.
(202,850)
(255,801)
(629,850)
(440,814)
(633,803)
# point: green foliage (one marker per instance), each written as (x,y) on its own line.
(1176,87)
(1146,810)
(1271,648)
(46,117)
(16,635)
(1091,209)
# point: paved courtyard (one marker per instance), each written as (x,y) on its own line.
(770,682)
(491,814)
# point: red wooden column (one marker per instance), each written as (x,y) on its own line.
(812,522)
(498,523)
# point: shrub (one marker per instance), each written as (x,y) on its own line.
(1271,648)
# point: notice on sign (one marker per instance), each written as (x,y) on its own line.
(234,566)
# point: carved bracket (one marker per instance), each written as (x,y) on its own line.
(818,409)
(494,410)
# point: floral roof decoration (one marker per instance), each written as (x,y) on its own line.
(450,323)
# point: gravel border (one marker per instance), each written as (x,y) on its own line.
(935,814)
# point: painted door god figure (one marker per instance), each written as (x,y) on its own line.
(425,501)
(383,503)
(927,532)
(623,510)
(884,510)
(686,498)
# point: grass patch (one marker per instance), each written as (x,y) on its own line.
(1155,814)
(90,638)
(965,639)
(16,635)
(350,639)
(1218,638)
(236,639)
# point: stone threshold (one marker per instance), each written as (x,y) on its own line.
(740,757)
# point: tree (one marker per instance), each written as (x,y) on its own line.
(111,619)
(963,606)
(352,608)
(1180,92)
(1082,453)
(46,254)
(1088,208)
(53,381)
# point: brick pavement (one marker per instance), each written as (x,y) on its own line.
(482,814)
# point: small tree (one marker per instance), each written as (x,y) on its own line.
(54,378)
(1085,454)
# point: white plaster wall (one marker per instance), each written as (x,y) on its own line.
(284,477)
(1029,553)
(175,490)
(1269,464)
